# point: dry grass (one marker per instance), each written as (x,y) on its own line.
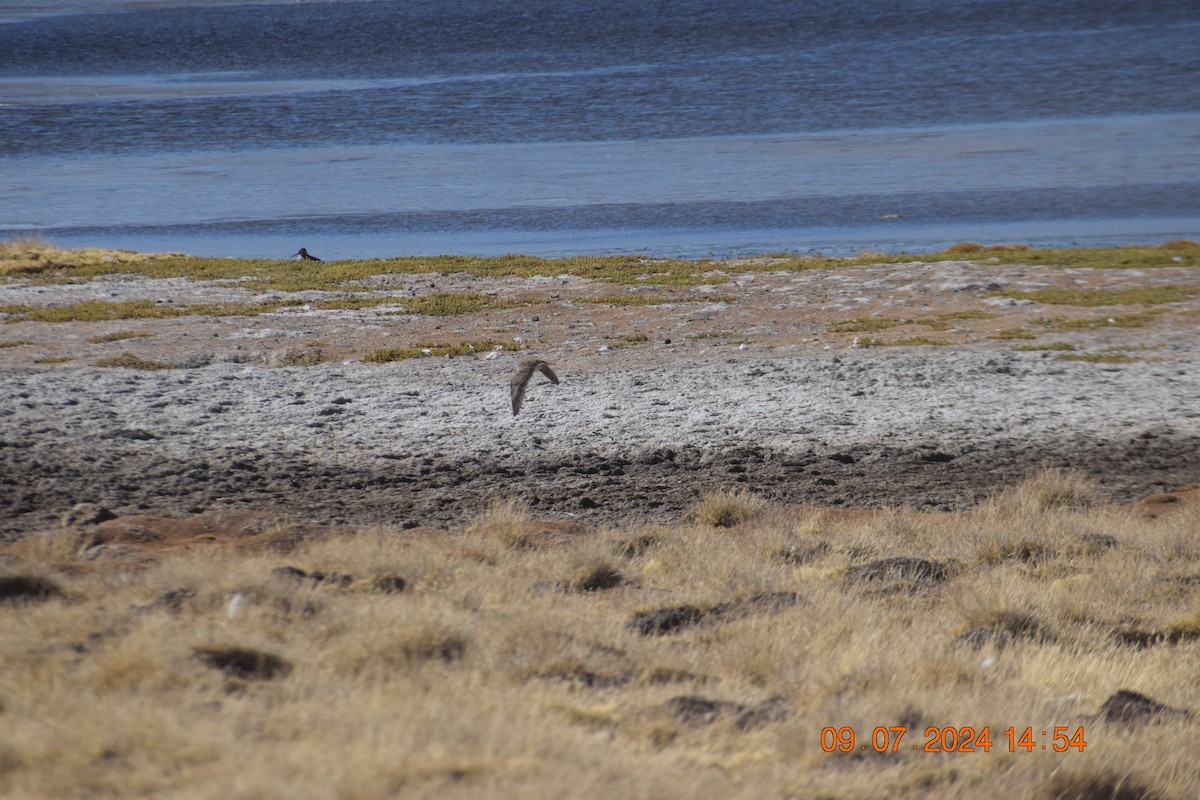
(508,664)
(31,256)
(727,508)
(1047,490)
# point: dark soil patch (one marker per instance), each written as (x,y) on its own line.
(697,711)
(39,485)
(901,568)
(244,663)
(666,620)
(1131,708)
(27,588)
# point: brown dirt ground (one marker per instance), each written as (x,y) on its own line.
(758,309)
(771,312)
(135,540)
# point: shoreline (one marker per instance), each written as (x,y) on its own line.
(882,384)
(899,236)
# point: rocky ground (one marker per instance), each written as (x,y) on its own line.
(762,382)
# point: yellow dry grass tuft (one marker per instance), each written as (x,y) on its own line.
(31,255)
(1048,490)
(506,521)
(726,508)
(668,661)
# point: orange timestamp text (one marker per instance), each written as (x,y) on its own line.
(950,739)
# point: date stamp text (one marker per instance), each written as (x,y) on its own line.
(951,739)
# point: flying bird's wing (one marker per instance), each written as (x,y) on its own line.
(519,382)
(549,373)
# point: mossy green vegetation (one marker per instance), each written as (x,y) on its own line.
(641,299)
(709,335)
(437,305)
(130,361)
(43,263)
(938,322)
(105,310)
(1136,320)
(908,341)
(450,304)
(942,322)
(866,325)
(435,349)
(1139,295)
(309,357)
(1047,346)
(918,341)
(1014,333)
(118,336)
(14,343)
(1098,358)
(627,339)
(294,276)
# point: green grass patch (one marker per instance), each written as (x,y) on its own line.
(435,305)
(911,341)
(44,264)
(429,350)
(1046,346)
(651,300)
(131,361)
(945,321)
(1138,295)
(14,343)
(939,322)
(1098,358)
(454,303)
(631,338)
(919,341)
(89,311)
(295,276)
(305,358)
(105,310)
(53,359)
(118,336)
(438,305)
(358,301)
(1137,320)
(1175,254)
(867,325)
(1013,333)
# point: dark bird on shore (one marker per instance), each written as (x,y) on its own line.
(305,255)
(521,380)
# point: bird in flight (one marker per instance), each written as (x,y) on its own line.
(305,255)
(521,380)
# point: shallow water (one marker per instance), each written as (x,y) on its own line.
(690,128)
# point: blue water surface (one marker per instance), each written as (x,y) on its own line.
(556,127)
